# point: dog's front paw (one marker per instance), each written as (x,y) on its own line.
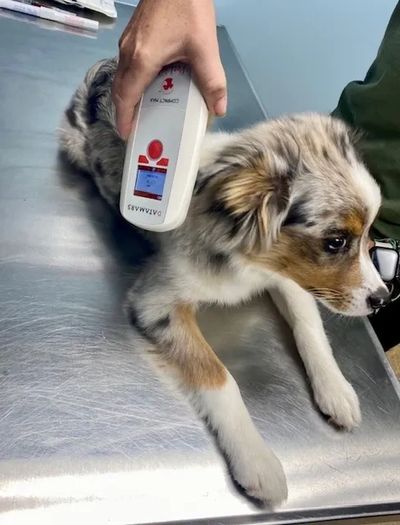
(261,475)
(337,399)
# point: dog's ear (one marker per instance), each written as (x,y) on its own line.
(252,194)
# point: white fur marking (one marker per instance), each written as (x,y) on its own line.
(367,189)
(227,288)
(254,466)
(332,392)
(370,284)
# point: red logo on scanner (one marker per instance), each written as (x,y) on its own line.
(154,156)
(168,85)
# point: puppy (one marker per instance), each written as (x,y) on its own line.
(284,206)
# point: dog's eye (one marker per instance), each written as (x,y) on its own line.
(335,244)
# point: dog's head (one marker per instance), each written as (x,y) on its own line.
(297,200)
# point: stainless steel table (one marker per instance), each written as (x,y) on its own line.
(89,431)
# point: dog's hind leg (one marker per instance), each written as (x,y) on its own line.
(332,392)
(212,391)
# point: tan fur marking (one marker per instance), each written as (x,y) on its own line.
(248,192)
(293,257)
(245,191)
(196,361)
(355,223)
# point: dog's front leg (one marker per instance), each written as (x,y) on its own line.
(332,392)
(214,393)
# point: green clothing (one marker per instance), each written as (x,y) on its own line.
(373,106)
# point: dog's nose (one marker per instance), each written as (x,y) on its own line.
(379,298)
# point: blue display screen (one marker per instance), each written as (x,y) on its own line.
(150,182)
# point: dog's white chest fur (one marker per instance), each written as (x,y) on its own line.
(228,287)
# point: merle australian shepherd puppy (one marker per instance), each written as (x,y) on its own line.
(283,206)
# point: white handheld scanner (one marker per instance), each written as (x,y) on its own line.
(163,151)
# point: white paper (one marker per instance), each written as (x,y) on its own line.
(106,7)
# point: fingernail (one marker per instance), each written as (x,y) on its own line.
(220,107)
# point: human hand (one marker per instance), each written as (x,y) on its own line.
(162,32)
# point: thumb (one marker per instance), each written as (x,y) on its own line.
(210,76)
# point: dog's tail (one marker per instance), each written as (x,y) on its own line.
(73,131)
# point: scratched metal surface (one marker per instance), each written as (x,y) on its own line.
(89,429)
